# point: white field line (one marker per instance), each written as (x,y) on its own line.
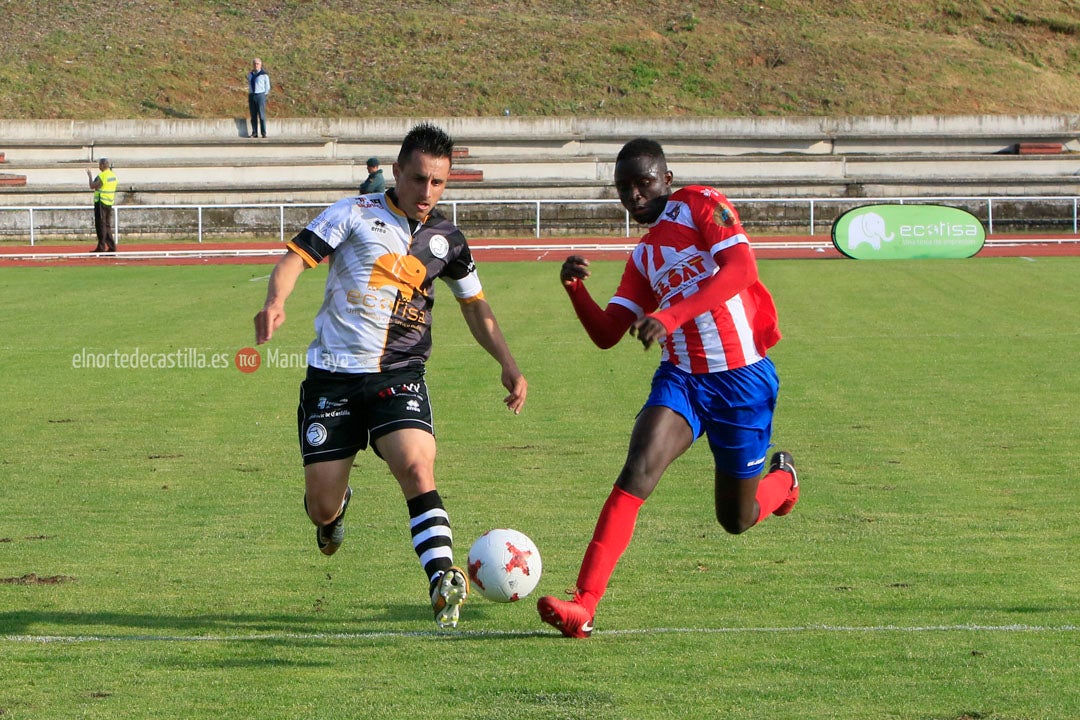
(480,634)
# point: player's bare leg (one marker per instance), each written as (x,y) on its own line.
(410,455)
(326,497)
(660,435)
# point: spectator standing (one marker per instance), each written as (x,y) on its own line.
(104,187)
(258,89)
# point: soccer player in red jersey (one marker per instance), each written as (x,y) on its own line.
(691,285)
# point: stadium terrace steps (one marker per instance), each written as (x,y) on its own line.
(319,160)
(274,179)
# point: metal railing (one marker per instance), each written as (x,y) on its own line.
(810,211)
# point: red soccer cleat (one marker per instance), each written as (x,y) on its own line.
(572,619)
(783,461)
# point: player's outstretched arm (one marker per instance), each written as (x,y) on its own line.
(282,281)
(485,328)
(605,326)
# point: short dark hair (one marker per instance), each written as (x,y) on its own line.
(429,139)
(641,147)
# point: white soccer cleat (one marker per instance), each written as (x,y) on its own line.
(448,592)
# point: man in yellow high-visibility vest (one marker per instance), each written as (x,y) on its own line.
(104,187)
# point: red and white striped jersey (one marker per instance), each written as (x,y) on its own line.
(683,248)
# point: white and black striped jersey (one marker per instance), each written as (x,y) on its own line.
(376,314)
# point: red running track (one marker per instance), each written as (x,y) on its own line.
(541,249)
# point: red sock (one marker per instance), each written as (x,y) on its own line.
(614,528)
(772,491)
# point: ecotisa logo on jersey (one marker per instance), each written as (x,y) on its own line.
(905,232)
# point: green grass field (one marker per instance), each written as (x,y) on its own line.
(156,561)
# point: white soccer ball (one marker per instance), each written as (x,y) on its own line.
(504,565)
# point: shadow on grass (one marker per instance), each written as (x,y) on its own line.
(44,623)
(167,111)
(369,621)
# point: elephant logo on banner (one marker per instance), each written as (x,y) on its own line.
(906,231)
(868,229)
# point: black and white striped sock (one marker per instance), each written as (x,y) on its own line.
(431,536)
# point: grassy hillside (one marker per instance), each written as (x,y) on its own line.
(188,58)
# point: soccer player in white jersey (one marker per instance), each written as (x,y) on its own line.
(365,379)
(691,284)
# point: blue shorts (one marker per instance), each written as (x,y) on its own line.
(734,409)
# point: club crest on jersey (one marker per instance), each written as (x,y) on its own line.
(439,246)
(724,215)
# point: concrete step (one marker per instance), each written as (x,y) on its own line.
(359,138)
(148,181)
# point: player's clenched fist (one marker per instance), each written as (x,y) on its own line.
(575,268)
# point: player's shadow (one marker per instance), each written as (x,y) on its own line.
(401,619)
(20,622)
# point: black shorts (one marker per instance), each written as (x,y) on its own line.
(340,414)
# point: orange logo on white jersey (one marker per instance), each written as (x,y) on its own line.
(404,272)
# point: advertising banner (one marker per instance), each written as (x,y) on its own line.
(906,232)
